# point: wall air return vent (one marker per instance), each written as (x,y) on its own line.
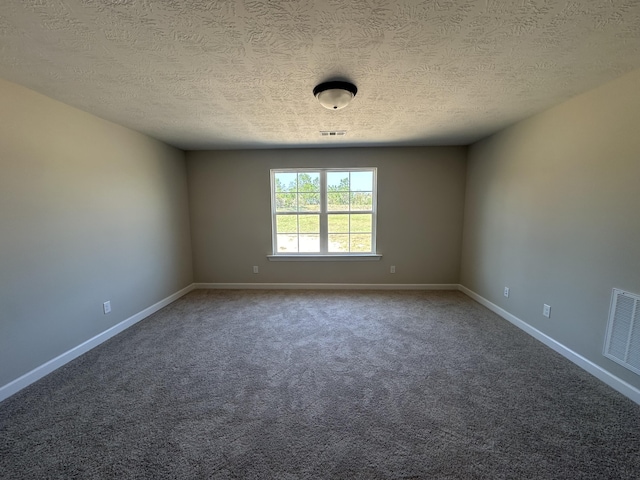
(333,133)
(622,344)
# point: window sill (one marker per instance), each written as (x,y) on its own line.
(365,257)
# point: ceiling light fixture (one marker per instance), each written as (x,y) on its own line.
(335,95)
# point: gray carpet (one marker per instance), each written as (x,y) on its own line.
(320,384)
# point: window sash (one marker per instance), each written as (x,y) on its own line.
(324,212)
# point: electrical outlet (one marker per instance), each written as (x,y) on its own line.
(393,269)
(506,292)
(255,269)
(106,307)
(546,310)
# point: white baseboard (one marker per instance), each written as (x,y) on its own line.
(607,377)
(37,373)
(327,286)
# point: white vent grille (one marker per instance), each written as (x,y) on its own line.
(622,344)
(332,133)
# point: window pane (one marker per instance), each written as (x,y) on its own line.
(286,224)
(361,201)
(343,211)
(285,182)
(361,181)
(309,243)
(338,181)
(338,223)
(360,223)
(309,202)
(309,223)
(287,243)
(338,242)
(361,243)
(286,202)
(309,182)
(338,202)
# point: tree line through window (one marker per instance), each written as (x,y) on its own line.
(324,211)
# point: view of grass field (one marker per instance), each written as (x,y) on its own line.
(347,232)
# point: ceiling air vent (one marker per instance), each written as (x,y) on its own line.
(333,133)
(622,344)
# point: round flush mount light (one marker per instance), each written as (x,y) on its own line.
(335,95)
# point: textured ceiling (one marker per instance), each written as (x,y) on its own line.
(202,74)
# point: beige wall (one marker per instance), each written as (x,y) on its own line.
(420,208)
(89,211)
(552,211)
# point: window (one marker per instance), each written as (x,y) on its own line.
(324,211)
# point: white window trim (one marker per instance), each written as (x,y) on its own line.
(305,257)
(324,254)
